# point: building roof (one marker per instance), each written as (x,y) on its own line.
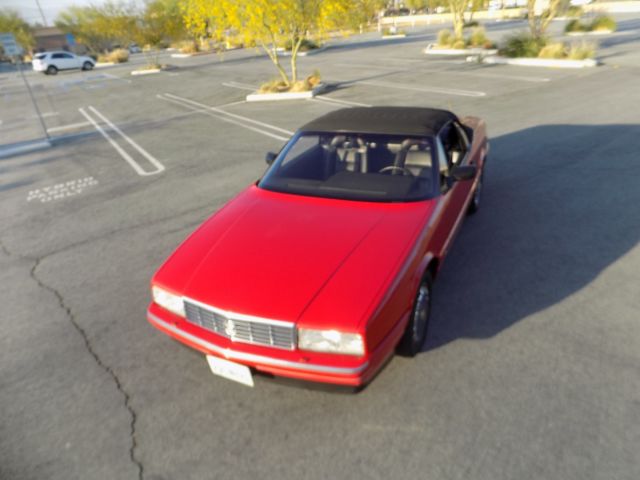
(385,120)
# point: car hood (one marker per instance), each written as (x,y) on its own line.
(270,254)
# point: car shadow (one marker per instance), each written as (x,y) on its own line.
(561,203)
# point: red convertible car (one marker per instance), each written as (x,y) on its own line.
(323,268)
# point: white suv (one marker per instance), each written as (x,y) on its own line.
(51,62)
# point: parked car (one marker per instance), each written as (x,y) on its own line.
(51,62)
(323,267)
(134,48)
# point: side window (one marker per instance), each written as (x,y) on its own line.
(57,55)
(66,55)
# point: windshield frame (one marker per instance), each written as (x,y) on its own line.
(433,190)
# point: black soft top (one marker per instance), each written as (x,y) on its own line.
(385,120)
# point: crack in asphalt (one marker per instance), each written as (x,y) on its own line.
(87,343)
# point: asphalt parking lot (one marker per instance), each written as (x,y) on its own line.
(532,367)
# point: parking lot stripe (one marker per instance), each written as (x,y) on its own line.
(135,165)
(341,102)
(240,86)
(224,116)
(70,126)
(239,117)
(445,91)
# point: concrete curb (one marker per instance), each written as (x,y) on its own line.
(181,55)
(595,32)
(146,72)
(392,37)
(431,50)
(104,64)
(23,147)
(540,62)
(287,53)
(265,97)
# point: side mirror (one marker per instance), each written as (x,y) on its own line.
(464,172)
(270,157)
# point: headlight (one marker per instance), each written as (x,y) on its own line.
(167,300)
(331,341)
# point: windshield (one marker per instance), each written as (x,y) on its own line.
(383,168)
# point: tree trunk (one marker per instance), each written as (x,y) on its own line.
(272,52)
(295,47)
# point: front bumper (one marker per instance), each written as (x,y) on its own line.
(293,364)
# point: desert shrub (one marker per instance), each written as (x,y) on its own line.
(188,46)
(305,45)
(278,86)
(553,50)
(575,25)
(522,45)
(445,38)
(458,45)
(478,37)
(574,11)
(603,22)
(119,55)
(582,51)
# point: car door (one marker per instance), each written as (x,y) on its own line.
(453,149)
(65,61)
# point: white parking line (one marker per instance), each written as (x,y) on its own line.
(338,101)
(445,91)
(135,165)
(241,86)
(70,126)
(228,117)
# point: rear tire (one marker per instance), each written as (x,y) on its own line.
(87,66)
(416,333)
(51,70)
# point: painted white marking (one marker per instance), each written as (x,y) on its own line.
(224,116)
(445,91)
(240,86)
(341,102)
(135,165)
(508,77)
(70,126)
(61,190)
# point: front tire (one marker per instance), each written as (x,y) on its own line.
(416,332)
(51,70)
(87,66)
(474,206)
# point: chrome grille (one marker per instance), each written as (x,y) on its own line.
(240,330)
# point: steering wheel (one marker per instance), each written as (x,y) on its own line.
(391,168)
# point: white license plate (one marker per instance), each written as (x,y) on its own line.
(230,370)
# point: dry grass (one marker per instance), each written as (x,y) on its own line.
(120,55)
(553,50)
(278,86)
(582,51)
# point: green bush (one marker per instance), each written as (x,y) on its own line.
(553,50)
(445,38)
(471,24)
(582,51)
(575,25)
(602,22)
(522,45)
